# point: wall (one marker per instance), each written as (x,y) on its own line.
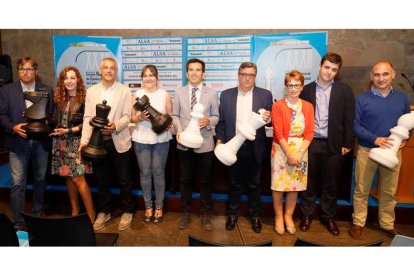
(359,48)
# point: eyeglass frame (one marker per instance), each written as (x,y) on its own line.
(245,75)
(294,86)
(27,70)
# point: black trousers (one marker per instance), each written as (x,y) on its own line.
(118,163)
(245,170)
(190,163)
(325,170)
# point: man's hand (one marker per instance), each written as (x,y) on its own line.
(345,150)
(384,142)
(203,122)
(266,116)
(18,129)
(107,130)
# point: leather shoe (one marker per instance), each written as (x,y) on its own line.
(231,222)
(256,225)
(355,232)
(305,223)
(185,221)
(390,232)
(206,223)
(332,227)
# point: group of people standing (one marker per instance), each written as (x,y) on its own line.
(313,129)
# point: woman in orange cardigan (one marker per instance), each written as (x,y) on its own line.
(293,130)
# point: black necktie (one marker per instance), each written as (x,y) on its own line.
(193,96)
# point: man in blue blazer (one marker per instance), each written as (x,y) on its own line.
(201,159)
(236,104)
(334,137)
(22,150)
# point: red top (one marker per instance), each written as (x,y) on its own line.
(282,117)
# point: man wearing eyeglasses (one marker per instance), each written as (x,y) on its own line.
(237,104)
(23,150)
(334,105)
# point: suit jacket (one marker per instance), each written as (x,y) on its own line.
(181,114)
(341,114)
(226,127)
(12,107)
(120,114)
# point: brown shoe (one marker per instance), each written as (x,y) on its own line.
(355,232)
(331,227)
(305,223)
(389,232)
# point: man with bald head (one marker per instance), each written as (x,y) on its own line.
(376,112)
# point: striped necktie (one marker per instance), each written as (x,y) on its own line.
(193,96)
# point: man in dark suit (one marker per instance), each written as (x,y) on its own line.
(334,137)
(236,104)
(23,150)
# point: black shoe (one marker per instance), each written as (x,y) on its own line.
(256,225)
(185,221)
(305,223)
(231,222)
(331,227)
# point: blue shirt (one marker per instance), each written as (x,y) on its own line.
(375,115)
(323,95)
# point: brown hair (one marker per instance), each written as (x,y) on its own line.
(196,60)
(21,61)
(151,68)
(61,95)
(247,64)
(332,57)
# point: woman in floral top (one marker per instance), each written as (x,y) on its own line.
(293,130)
(69,108)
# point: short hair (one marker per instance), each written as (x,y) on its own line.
(333,58)
(151,68)
(24,60)
(196,60)
(383,61)
(294,75)
(109,59)
(247,64)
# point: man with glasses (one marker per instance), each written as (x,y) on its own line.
(23,150)
(117,142)
(334,105)
(236,105)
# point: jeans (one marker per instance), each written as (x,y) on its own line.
(151,161)
(35,153)
(118,163)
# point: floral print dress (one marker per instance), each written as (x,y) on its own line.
(286,178)
(65,155)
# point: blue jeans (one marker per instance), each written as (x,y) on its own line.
(38,156)
(151,161)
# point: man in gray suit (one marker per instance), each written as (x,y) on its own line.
(201,158)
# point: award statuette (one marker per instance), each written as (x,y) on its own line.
(159,122)
(94,151)
(227,153)
(36,114)
(191,136)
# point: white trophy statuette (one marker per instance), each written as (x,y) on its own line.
(227,153)
(191,136)
(388,157)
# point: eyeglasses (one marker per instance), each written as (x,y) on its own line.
(245,75)
(294,86)
(28,70)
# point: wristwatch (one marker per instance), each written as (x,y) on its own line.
(70,130)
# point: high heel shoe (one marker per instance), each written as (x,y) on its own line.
(148,215)
(290,225)
(158,216)
(291,230)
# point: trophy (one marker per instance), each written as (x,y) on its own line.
(191,136)
(94,151)
(227,153)
(36,114)
(388,156)
(159,122)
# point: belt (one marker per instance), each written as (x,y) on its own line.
(320,139)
